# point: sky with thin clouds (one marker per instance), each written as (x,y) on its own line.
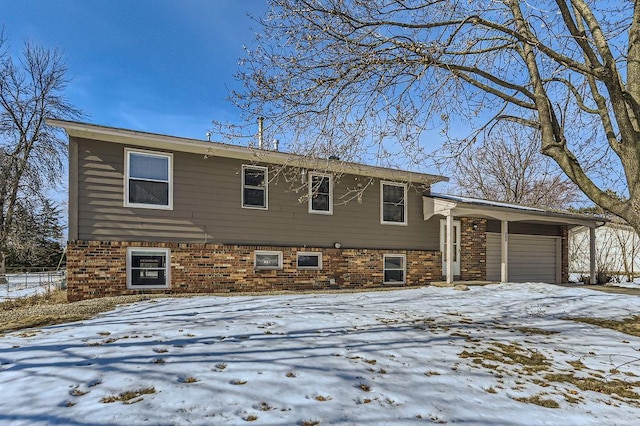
(161,66)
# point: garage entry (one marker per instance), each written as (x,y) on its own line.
(533,258)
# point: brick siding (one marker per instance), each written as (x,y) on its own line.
(98,269)
(473,249)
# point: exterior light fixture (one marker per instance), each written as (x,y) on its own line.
(337,245)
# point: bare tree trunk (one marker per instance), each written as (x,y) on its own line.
(3,269)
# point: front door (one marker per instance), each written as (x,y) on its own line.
(456,246)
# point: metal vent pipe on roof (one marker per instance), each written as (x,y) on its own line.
(260,132)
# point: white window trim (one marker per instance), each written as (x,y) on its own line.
(310,184)
(165,251)
(167,155)
(266,252)
(406,202)
(404,269)
(266,187)
(309,253)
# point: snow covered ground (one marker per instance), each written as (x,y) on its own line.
(416,356)
(29,284)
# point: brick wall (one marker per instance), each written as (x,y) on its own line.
(473,249)
(98,269)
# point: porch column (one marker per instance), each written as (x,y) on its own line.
(592,254)
(449,247)
(504,251)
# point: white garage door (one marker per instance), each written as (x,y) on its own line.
(531,258)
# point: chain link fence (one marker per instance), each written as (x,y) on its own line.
(29,281)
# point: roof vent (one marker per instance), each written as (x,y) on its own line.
(260,133)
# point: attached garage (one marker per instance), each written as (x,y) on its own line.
(532,258)
(503,242)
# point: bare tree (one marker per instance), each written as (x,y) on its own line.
(508,167)
(369,79)
(31,152)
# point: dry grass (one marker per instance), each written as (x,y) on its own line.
(53,308)
(129,397)
(539,400)
(511,354)
(608,387)
(535,330)
(629,325)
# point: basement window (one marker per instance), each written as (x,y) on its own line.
(309,260)
(148,267)
(265,260)
(395,268)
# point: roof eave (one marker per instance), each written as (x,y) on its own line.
(174,143)
(460,208)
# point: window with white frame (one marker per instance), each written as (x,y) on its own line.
(393,203)
(268,259)
(395,268)
(309,260)
(255,187)
(148,179)
(148,267)
(320,193)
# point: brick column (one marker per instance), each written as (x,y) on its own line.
(473,249)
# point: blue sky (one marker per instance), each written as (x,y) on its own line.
(162,66)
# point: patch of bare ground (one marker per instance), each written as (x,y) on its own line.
(629,325)
(611,387)
(539,400)
(513,353)
(129,397)
(53,308)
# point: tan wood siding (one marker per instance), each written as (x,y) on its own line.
(207,208)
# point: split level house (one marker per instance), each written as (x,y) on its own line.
(163,214)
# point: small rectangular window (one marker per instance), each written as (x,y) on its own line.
(309,260)
(393,203)
(148,268)
(148,179)
(320,193)
(268,260)
(394,268)
(255,187)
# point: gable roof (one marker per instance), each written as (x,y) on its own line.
(218,149)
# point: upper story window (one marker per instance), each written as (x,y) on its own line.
(393,207)
(320,193)
(255,187)
(148,179)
